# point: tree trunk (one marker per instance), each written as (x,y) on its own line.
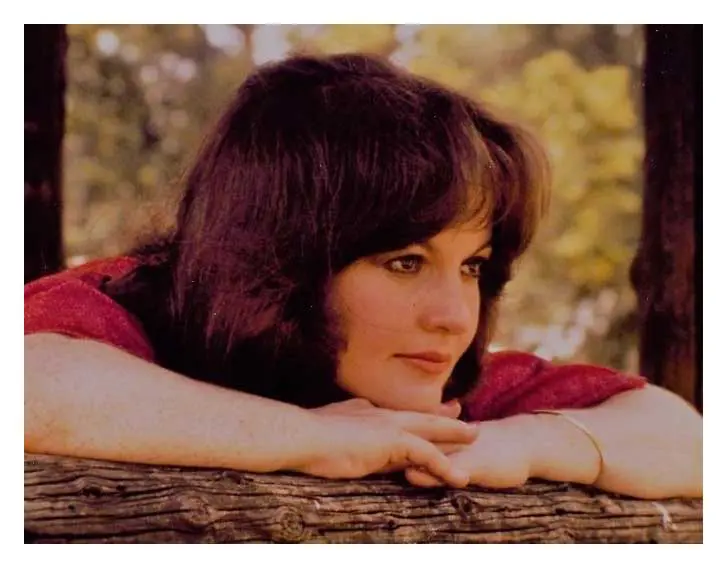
(70,500)
(663,270)
(45,52)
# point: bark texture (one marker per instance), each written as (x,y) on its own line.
(45,82)
(72,500)
(663,271)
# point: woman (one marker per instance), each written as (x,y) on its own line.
(324,306)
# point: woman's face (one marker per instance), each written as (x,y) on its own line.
(407,317)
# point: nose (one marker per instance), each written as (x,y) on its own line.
(451,307)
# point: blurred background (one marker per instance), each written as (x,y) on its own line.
(139,97)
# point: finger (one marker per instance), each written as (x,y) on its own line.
(344,408)
(437,428)
(450,409)
(449,449)
(418,452)
(353,404)
(421,478)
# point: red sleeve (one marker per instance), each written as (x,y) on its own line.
(70,303)
(517,383)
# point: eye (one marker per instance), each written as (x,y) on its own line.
(410,264)
(473,267)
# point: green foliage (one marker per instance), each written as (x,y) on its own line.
(141,96)
(588,121)
(345,38)
(135,112)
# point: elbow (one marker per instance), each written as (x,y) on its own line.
(693,463)
(682,440)
(655,445)
(682,446)
(44,430)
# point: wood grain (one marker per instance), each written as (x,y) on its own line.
(72,500)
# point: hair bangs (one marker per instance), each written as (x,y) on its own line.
(433,172)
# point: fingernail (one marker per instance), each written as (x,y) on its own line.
(461,474)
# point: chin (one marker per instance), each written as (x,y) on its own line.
(425,404)
(407,395)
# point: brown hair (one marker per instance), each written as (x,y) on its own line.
(319,161)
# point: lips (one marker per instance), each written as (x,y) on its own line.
(430,362)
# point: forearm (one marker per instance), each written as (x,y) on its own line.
(650,439)
(87,399)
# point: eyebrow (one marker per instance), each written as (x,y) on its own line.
(486,245)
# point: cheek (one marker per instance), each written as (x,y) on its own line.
(475,303)
(372,309)
(374,318)
(366,328)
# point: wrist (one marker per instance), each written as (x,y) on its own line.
(309,442)
(533,441)
(563,450)
(271,436)
(518,433)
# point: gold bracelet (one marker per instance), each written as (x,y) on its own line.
(583,428)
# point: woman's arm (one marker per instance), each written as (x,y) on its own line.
(88,399)
(651,441)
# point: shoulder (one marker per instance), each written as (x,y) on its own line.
(515,383)
(71,303)
(92,273)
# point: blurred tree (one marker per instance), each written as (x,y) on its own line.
(139,99)
(45,51)
(663,270)
(377,39)
(588,122)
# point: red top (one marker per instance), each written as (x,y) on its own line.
(70,303)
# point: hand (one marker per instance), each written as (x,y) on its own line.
(354,439)
(501,456)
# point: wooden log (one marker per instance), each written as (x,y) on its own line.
(69,500)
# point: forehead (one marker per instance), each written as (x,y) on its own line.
(472,227)
(476,213)
(472,234)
